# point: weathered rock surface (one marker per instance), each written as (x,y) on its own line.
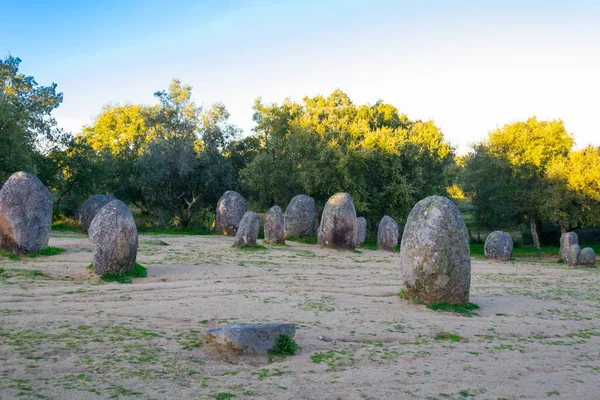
(247,232)
(249,338)
(387,234)
(25,214)
(114,239)
(587,257)
(435,254)
(274,226)
(299,219)
(361,235)
(574,257)
(567,240)
(230,210)
(89,208)
(338,227)
(498,246)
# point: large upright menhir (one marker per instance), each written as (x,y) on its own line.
(230,210)
(435,254)
(299,219)
(25,214)
(338,229)
(274,226)
(89,208)
(387,234)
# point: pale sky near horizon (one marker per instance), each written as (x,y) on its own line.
(470,66)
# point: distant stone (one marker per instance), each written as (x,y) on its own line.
(248,338)
(230,210)
(434,253)
(299,219)
(567,240)
(338,229)
(361,235)
(274,226)
(587,257)
(25,214)
(247,232)
(89,208)
(498,246)
(574,257)
(387,234)
(114,239)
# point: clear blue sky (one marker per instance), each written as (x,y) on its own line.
(468,65)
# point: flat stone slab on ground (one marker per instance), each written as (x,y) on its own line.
(249,338)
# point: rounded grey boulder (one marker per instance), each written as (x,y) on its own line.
(25,214)
(567,240)
(89,208)
(274,231)
(434,253)
(114,239)
(587,257)
(574,257)
(299,219)
(247,232)
(361,235)
(338,227)
(387,234)
(498,246)
(230,210)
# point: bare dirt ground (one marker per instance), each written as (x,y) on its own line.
(66,335)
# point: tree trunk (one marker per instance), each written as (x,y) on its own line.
(534,232)
(563,228)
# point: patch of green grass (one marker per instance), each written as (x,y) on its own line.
(266,373)
(11,256)
(305,240)
(285,346)
(465,310)
(138,271)
(48,251)
(449,336)
(224,396)
(402,294)
(66,224)
(370,243)
(254,247)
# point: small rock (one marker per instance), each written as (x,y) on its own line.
(587,257)
(247,232)
(361,235)
(249,338)
(387,234)
(274,226)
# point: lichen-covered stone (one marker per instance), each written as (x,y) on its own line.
(387,234)
(299,219)
(434,253)
(114,239)
(574,257)
(230,210)
(248,338)
(587,257)
(338,229)
(361,235)
(247,232)
(498,246)
(25,214)
(274,226)
(567,240)
(89,208)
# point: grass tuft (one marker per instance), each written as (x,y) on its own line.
(305,240)
(465,310)
(255,246)
(48,251)
(285,346)
(138,271)
(451,337)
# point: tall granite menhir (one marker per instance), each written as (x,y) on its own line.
(274,231)
(498,246)
(361,235)
(230,210)
(25,214)
(114,239)
(338,229)
(387,234)
(247,232)
(299,219)
(567,240)
(434,253)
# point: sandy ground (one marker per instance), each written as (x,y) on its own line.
(66,335)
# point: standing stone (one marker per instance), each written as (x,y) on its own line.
(361,235)
(247,232)
(114,239)
(567,240)
(498,246)
(274,231)
(230,210)
(25,214)
(587,257)
(387,234)
(338,227)
(434,253)
(574,257)
(89,208)
(299,220)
